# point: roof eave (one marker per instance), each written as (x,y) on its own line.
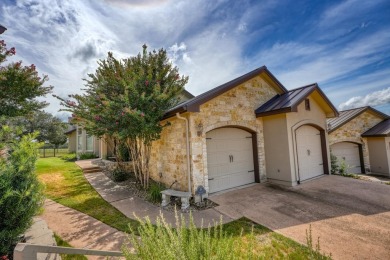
(274,112)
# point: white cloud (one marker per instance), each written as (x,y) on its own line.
(376,98)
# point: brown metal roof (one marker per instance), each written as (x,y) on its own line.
(347,115)
(70,129)
(380,130)
(288,102)
(193,104)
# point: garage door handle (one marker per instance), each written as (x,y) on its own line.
(321,164)
(211,179)
(251,171)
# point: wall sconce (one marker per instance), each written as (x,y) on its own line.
(199,129)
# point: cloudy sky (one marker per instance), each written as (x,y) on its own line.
(344,46)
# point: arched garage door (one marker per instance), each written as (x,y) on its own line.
(309,151)
(229,158)
(349,152)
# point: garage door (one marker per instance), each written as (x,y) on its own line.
(350,153)
(309,152)
(229,158)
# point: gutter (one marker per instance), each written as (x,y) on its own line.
(188,150)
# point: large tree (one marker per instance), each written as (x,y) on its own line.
(50,128)
(126,100)
(19,86)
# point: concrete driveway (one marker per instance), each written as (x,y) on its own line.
(351,217)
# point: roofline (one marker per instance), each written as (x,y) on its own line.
(377,135)
(379,113)
(188,93)
(70,131)
(294,107)
(194,105)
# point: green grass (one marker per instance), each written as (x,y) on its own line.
(65,184)
(61,242)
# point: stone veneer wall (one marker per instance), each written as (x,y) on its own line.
(168,156)
(233,108)
(351,132)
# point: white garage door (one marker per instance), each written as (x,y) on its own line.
(350,153)
(309,152)
(229,158)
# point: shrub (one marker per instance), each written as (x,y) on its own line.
(21,194)
(186,242)
(119,175)
(334,169)
(86,156)
(155,192)
(70,157)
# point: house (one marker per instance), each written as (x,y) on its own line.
(72,138)
(346,138)
(248,130)
(378,142)
(79,141)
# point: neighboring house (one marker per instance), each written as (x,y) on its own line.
(247,130)
(79,141)
(346,140)
(378,140)
(71,134)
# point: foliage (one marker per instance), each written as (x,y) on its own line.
(187,242)
(314,250)
(119,175)
(155,190)
(86,155)
(20,191)
(19,86)
(70,157)
(334,164)
(343,167)
(51,129)
(61,242)
(126,100)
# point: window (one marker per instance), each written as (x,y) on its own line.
(307,104)
(89,142)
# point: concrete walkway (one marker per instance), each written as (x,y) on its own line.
(131,206)
(81,230)
(40,234)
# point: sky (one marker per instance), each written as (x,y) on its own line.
(344,46)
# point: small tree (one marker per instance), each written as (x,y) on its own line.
(20,191)
(126,100)
(19,86)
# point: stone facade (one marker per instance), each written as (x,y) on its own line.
(352,130)
(233,108)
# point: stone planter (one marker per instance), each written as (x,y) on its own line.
(110,166)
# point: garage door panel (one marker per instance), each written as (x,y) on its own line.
(309,152)
(350,153)
(229,158)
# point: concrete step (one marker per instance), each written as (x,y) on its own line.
(92,169)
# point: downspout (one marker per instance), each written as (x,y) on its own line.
(188,150)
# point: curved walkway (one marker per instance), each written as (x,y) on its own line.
(131,206)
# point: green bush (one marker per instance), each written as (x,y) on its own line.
(334,165)
(70,157)
(119,175)
(155,192)
(187,242)
(86,156)
(21,194)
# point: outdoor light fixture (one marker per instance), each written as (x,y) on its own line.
(2,29)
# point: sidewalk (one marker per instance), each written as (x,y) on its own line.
(81,230)
(132,206)
(40,234)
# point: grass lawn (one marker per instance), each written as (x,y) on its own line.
(65,184)
(61,242)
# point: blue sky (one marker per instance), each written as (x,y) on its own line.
(344,46)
